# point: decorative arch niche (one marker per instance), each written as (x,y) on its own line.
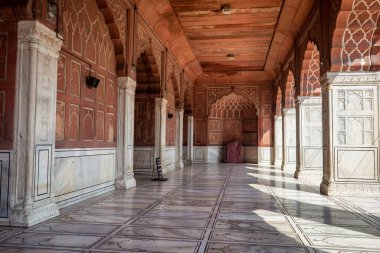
(279,101)
(172,95)
(233,117)
(148,88)
(355,43)
(290,91)
(85,117)
(310,73)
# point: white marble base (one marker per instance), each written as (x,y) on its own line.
(265,155)
(349,189)
(250,155)
(309,174)
(278,163)
(143,159)
(25,217)
(126,182)
(82,173)
(288,167)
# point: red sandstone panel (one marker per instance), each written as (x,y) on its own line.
(73,133)
(61,78)
(144,123)
(60,120)
(2,114)
(101,90)
(88,94)
(100,126)
(110,127)
(88,124)
(110,93)
(8,53)
(90,119)
(200,132)
(75,78)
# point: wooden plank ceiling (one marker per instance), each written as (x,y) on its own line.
(259,33)
(246,33)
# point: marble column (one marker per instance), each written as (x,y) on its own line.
(32,198)
(126,109)
(278,141)
(160,131)
(350,105)
(190,142)
(179,138)
(309,130)
(289,140)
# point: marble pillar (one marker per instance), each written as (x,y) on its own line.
(190,142)
(309,130)
(350,133)
(160,131)
(289,140)
(179,138)
(32,199)
(278,141)
(126,109)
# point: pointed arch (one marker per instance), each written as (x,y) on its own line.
(310,73)
(355,42)
(290,91)
(233,117)
(278,101)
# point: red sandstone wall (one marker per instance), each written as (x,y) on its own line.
(144,121)
(170,122)
(200,116)
(85,117)
(252,131)
(266,117)
(8,52)
(185,129)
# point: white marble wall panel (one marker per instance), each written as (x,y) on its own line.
(265,155)
(4,183)
(42,175)
(143,159)
(310,152)
(278,140)
(313,158)
(351,125)
(200,154)
(250,154)
(184,153)
(215,154)
(169,158)
(356,164)
(289,140)
(81,173)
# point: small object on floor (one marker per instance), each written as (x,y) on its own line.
(234,152)
(159,176)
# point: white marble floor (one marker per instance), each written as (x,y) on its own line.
(209,208)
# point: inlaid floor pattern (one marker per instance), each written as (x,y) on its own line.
(209,208)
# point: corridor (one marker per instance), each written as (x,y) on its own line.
(208,208)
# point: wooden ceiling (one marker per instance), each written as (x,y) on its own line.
(246,32)
(260,34)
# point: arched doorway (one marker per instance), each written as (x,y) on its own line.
(310,153)
(147,90)
(233,117)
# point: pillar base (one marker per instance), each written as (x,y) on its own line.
(309,174)
(29,217)
(126,182)
(179,165)
(277,163)
(349,189)
(288,167)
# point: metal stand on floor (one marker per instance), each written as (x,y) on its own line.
(157,174)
